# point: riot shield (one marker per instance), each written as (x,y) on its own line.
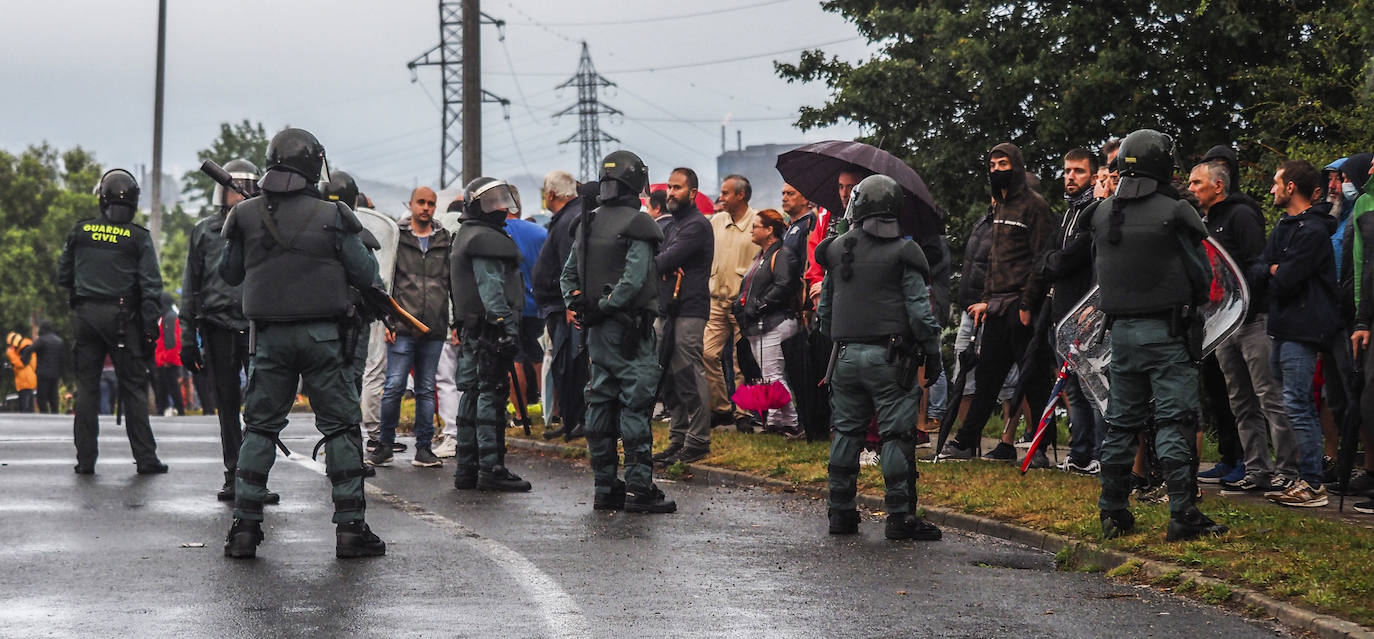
(388,235)
(1084,341)
(449,220)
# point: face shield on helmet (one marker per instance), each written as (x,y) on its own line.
(491,198)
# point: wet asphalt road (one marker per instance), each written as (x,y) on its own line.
(103,555)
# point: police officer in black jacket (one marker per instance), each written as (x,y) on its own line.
(110,266)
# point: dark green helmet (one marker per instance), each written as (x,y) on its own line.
(626,168)
(118,195)
(340,188)
(295,160)
(489,199)
(244,173)
(1146,159)
(875,195)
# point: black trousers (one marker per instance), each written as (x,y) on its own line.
(47,395)
(100,329)
(570,370)
(168,386)
(226,355)
(1005,340)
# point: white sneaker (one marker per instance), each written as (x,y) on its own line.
(868,458)
(170,412)
(447,447)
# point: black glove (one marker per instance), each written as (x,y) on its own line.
(149,345)
(507,348)
(934,366)
(190,357)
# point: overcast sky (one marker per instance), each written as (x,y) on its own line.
(82,73)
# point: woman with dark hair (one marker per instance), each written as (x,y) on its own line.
(768,306)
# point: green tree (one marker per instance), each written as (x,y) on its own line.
(243,140)
(953,78)
(43,193)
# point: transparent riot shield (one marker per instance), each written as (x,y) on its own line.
(1084,341)
(388,235)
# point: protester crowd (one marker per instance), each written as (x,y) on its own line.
(737,311)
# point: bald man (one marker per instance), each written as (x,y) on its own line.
(421,286)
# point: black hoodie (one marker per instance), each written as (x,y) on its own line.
(1022,229)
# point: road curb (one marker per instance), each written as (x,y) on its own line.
(1086,553)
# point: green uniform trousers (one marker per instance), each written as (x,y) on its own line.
(484,380)
(620,402)
(1148,365)
(308,352)
(865,384)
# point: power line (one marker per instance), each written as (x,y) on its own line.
(690,65)
(657,19)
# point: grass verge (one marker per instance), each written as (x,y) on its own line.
(1314,561)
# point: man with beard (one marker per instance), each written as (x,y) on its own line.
(684,297)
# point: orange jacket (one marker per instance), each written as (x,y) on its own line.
(21,348)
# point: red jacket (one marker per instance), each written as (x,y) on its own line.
(168,351)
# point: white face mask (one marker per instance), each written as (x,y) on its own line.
(1349,191)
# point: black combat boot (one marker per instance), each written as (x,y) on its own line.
(243,539)
(649,501)
(667,454)
(226,492)
(844,522)
(465,478)
(1116,523)
(556,428)
(500,480)
(1191,524)
(909,526)
(575,432)
(614,500)
(355,539)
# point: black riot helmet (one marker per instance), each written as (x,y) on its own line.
(295,160)
(623,175)
(488,199)
(245,175)
(340,188)
(1146,160)
(117,191)
(875,205)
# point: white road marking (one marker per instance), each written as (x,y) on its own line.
(562,616)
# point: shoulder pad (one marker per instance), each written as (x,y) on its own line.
(348,220)
(643,227)
(369,240)
(1085,218)
(822,251)
(1189,218)
(913,256)
(491,243)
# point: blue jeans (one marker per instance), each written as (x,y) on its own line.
(1087,427)
(423,356)
(1293,364)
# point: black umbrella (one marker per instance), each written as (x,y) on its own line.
(814,170)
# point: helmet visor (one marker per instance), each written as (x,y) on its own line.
(497,196)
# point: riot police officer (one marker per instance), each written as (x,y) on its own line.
(214,332)
(1153,274)
(488,294)
(610,284)
(874,306)
(296,256)
(110,266)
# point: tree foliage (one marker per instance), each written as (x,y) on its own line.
(43,192)
(953,78)
(243,140)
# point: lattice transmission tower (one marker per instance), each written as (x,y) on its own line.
(458,56)
(589,109)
